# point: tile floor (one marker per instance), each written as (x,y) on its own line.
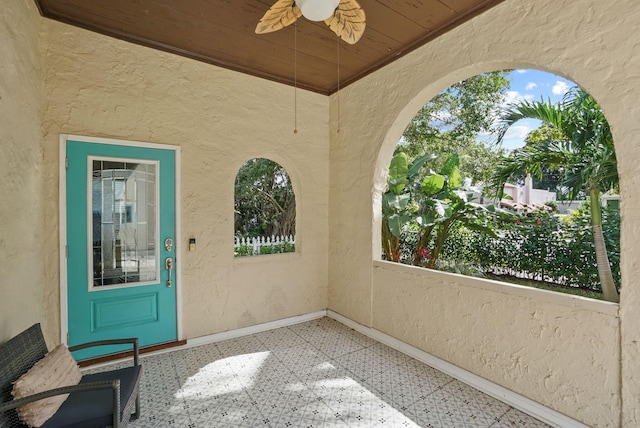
(315,374)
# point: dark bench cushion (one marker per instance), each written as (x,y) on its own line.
(94,408)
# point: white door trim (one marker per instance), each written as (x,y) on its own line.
(62,197)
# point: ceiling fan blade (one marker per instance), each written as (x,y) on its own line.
(348,21)
(280,15)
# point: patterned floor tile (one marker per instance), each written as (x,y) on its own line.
(359,338)
(157,362)
(160,419)
(193,359)
(364,363)
(313,414)
(234,417)
(426,416)
(395,419)
(335,346)
(281,338)
(367,409)
(341,392)
(516,419)
(431,377)
(335,326)
(241,346)
(314,374)
(300,361)
(326,326)
(402,389)
(474,402)
(455,406)
(394,356)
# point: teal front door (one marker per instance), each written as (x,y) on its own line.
(120,222)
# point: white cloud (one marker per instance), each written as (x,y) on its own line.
(521,70)
(517,132)
(531,86)
(560,88)
(512,97)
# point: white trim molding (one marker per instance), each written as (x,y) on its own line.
(259,328)
(62,226)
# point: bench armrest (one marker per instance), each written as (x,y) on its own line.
(131,340)
(114,385)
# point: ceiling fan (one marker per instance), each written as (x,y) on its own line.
(344,17)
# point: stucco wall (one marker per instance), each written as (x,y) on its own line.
(534,342)
(100,86)
(20,169)
(591,42)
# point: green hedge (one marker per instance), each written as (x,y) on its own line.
(539,246)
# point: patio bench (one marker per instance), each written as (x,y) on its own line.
(98,400)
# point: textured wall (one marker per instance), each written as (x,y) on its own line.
(537,343)
(594,43)
(100,86)
(21,270)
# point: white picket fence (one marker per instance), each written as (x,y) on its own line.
(265,241)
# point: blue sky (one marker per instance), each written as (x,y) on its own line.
(531,85)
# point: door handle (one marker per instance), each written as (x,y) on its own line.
(168,264)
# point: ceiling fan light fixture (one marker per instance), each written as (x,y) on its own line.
(344,17)
(317,10)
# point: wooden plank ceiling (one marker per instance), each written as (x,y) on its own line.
(221,32)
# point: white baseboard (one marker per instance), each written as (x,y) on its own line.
(245,331)
(505,395)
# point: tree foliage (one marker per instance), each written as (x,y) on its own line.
(420,205)
(577,141)
(550,177)
(454,119)
(444,202)
(583,150)
(398,202)
(264,203)
(428,205)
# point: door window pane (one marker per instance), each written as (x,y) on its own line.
(124,217)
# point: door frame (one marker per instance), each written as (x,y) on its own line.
(62,224)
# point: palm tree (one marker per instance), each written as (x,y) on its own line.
(585,155)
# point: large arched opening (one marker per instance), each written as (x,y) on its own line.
(530,152)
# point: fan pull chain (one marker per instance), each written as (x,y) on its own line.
(295,77)
(338,96)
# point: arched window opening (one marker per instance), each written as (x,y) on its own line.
(264,209)
(509,175)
